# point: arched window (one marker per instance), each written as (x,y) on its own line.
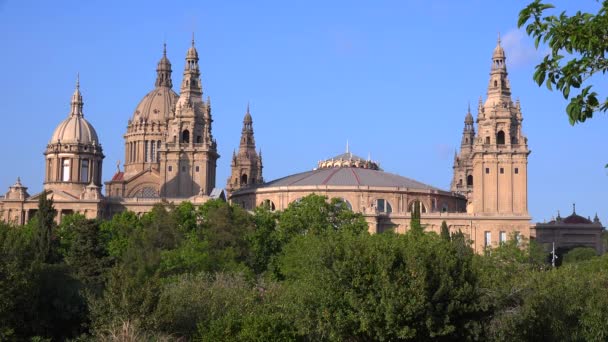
(487,140)
(422,206)
(500,138)
(470,180)
(84,171)
(495,83)
(186,136)
(268,204)
(383,205)
(244,179)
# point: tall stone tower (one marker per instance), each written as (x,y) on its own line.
(500,151)
(246,166)
(463,166)
(188,158)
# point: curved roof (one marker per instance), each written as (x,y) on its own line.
(75,129)
(347,176)
(157,105)
(576,219)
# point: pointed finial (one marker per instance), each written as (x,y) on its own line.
(78,81)
(164,49)
(573,208)
(247,107)
(118,166)
(469,107)
(19,182)
(498,38)
(192,38)
(347,149)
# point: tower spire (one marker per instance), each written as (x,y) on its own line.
(163,70)
(499,89)
(77,104)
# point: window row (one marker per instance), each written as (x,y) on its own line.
(502,238)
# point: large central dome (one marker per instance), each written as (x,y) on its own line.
(157,105)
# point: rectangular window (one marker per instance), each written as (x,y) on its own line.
(197,169)
(170,168)
(84,171)
(487,170)
(380,204)
(65,176)
(488,239)
(152,152)
(516,170)
(146,151)
(502,170)
(503,237)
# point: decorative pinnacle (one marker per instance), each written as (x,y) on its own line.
(78,81)
(192,38)
(164,49)
(498,38)
(247,107)
(573,208)
(469,107)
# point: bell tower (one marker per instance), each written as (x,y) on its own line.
(246,166)
(463,168)
(189,156)
(499,154)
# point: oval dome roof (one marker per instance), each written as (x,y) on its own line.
(75,128)
(156,105)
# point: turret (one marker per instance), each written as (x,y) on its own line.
(247,163)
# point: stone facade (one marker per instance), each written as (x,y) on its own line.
(488,197)
(170,155)
(570,232)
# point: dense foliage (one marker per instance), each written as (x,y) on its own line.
(309,273)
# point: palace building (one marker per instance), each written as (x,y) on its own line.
(171,156)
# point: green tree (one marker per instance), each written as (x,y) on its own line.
(86,254)
(445,231)
(46,244)
(579,254)
(347,287)
(578,47)
(415,225)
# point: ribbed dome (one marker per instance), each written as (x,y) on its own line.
(156,105)
(75,129)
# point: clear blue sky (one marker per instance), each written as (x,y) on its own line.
(392,77)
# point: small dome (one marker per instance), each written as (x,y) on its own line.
(469,118)
(157,105)
(499,52)
(75,129)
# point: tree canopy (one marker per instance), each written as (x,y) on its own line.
(577,52)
